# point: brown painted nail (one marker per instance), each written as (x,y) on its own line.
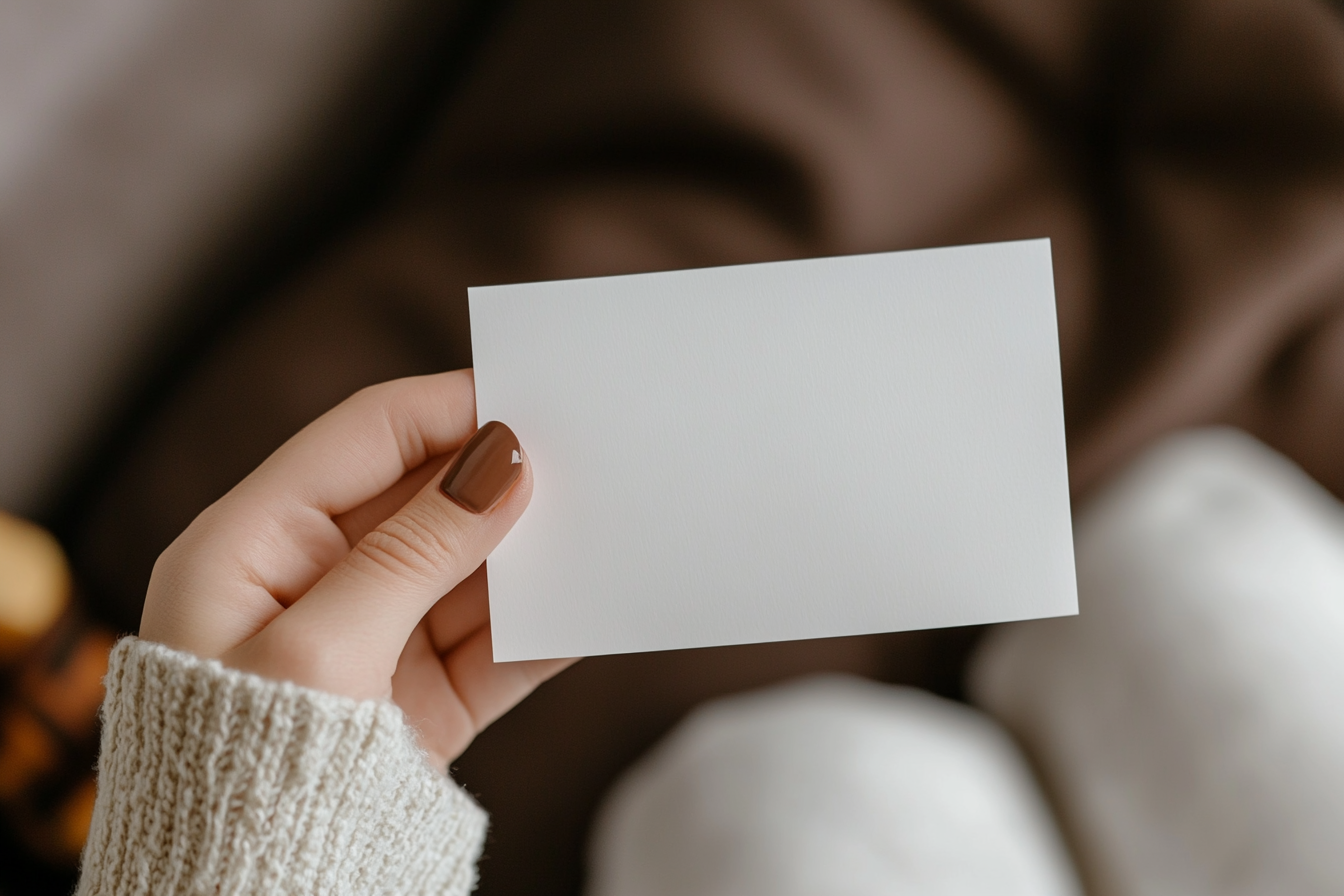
(485,468)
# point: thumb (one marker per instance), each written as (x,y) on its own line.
(347,632)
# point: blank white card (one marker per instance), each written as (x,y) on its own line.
(766,452)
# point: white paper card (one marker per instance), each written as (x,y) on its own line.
(767,452)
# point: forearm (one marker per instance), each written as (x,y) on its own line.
(213,780)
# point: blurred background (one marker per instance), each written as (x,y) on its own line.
(218,220)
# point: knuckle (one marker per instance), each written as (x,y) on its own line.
(411,543)
(376,394)
(372,402)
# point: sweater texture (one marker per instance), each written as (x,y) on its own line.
(212,780)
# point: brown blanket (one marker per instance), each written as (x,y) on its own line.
(1185,157)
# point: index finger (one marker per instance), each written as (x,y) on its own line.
(367,443)
(276,528)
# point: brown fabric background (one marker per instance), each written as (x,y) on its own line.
(1185,157)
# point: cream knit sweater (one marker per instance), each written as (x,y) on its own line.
(215,781)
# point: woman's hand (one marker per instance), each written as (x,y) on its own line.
(341,565)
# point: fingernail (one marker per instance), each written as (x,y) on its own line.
(485,468)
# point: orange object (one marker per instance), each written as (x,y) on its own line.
(53,660)
(28,751)
(72,820)
(34,584)
(65,684)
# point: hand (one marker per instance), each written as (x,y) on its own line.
(340,565)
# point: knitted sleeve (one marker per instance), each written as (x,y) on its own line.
(211,780)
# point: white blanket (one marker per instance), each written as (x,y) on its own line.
(1187,726)
(1190,721)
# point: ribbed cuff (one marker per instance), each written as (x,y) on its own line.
(212,780)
